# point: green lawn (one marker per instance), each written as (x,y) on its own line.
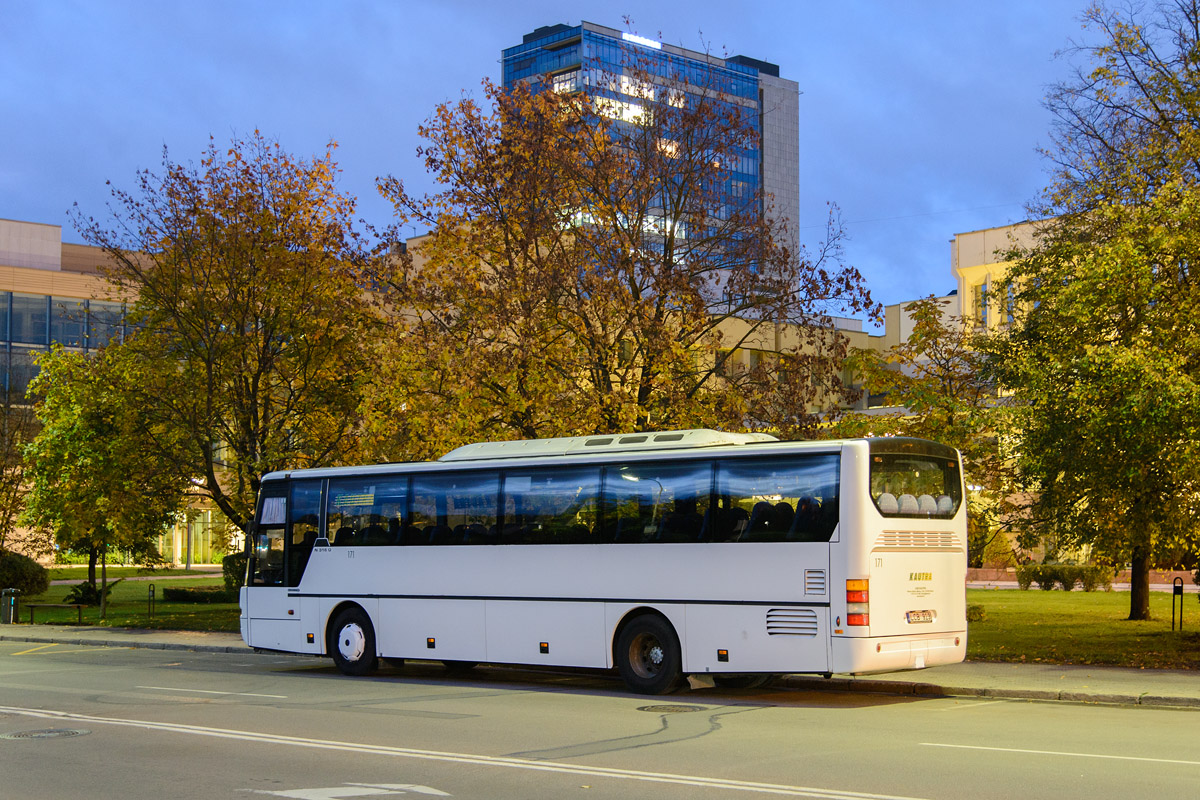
(1058,627)
(127,608)
(76,572)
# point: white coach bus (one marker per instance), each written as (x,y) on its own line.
(662,554)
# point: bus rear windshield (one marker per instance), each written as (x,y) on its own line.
(915,485)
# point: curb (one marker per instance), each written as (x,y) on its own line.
(198,648)
(938,690)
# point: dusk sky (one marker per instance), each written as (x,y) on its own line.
(919,119)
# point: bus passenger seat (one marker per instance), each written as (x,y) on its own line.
(888,503)
(344,536)
(927,504)
(945,505)
(908,504)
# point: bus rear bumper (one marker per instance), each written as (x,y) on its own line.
(863,655)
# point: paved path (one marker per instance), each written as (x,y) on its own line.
(1087,684)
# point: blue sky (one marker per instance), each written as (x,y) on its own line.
(919,119)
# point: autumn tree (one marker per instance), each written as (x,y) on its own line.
(1103,356)
(936,384)
(17,428)
(593,261)
(97,479)
(250,310)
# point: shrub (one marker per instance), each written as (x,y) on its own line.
(233,568)
(1094,577)
(1025,575)
(976,613)
(1067,576)
(198,594)
(23,574)
(88,594)
(1047,576)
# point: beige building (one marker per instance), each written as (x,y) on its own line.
(978,264)
(51,292)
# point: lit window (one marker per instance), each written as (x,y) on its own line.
(566,82)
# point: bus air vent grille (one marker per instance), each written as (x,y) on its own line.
(923,540)
(791,622)
(814,581)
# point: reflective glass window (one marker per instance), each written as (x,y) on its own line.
(456,509)
(552,506)
(791,499)
(657,502)
(368,511)
(68,320)
(21,370)
(304,525)
(30,313)
(104,323)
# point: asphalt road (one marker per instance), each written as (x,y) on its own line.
(87,721)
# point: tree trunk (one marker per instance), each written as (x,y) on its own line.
(104,584)
(1139,583)
(93,556)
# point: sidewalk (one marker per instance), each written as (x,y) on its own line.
(1083,684)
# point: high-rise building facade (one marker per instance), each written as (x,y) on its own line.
(572,58)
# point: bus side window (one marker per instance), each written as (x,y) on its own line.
(785,499)
(458,509)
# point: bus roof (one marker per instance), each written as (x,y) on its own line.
(614,443)
(600,449)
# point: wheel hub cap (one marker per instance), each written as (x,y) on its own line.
(352,642)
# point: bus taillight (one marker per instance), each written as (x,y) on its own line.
(858,602)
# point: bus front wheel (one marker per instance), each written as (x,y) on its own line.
(648,656)
(352,642)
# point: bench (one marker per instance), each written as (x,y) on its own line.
(77,606)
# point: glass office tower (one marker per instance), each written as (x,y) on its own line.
(570,58)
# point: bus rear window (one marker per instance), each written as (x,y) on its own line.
(915,486)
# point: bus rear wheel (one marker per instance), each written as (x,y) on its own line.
(647,655)
(351,642)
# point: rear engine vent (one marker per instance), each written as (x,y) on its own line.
(918,540)
(814,581)
(791,622)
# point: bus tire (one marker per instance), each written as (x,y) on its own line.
(743,681)
(351,642)
(647,655)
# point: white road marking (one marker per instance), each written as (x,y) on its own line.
(1063,753)
(464,758)
(209,691)
(958,705)
(354,790)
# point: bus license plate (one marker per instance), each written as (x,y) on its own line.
(919,616)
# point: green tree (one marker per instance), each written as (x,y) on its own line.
(249,315)
(935,379)
(1103,357)
(95,481)
(586,273)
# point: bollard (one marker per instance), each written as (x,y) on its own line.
(8,606)
(150,602)
(1177,592)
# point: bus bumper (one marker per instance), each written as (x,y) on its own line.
(867,654)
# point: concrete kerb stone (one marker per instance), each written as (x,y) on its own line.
(195,648)
(937,690)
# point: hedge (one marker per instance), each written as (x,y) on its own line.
(1047,576)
